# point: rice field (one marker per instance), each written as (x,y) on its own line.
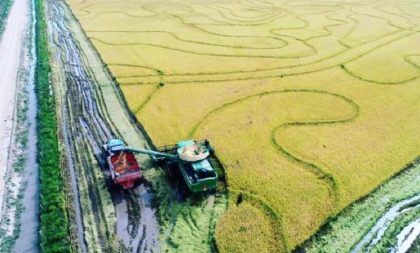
(310,105)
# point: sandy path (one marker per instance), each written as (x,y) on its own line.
(10,49)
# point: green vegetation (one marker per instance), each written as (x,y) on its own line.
(54,227)
(187,225)
(4,10)
(389,239)
(342,233)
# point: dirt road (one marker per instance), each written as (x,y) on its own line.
(10,55)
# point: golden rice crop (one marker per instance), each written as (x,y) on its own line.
(310,105)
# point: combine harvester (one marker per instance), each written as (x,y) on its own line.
(192,158)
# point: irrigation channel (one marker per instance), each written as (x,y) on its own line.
(387,220)
(154,216)
(85,126)
(407,235)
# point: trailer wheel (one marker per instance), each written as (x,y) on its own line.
(138,182)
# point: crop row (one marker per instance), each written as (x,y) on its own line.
(54,225)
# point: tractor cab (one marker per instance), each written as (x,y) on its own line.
(114,146)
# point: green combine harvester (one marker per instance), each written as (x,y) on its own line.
(192,158)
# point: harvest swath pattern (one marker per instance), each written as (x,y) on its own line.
(310,104)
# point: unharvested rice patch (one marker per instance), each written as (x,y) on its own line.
(245,229)
(367,28)
(392,64)
(136,95)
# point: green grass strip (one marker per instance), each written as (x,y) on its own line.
(4,11)
(54,223)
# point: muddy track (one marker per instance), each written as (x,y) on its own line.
(84,128)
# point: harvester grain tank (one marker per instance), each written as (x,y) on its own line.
(192,158)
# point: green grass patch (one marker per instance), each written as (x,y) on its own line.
(4,11)
(344,231)
(54,223)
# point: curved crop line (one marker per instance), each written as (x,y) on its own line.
(407,13)
(312,167)
(192,52)
(389,22)
(147,8)
(338,5)
(241,18)
(158,71)
(275,68)
(267,76)
(275,218)
(189,41)
(414,64)
(98,14)
(196,27)
(356,21)
(86,10)
(248,22)
(406,59)
(381,10)
(325,28)
(223,23)
(147,100)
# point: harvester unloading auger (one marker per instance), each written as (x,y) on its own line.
(190,157)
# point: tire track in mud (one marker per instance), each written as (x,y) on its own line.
(85,128)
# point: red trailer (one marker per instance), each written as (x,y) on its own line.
(124,168)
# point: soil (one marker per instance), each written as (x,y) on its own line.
(10,55)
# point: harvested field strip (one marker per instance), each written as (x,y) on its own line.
(187,225)
(94,217)
(54,227)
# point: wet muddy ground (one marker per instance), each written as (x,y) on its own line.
(85,127)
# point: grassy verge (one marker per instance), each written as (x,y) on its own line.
(343,232)
(4,11)
(54,225)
